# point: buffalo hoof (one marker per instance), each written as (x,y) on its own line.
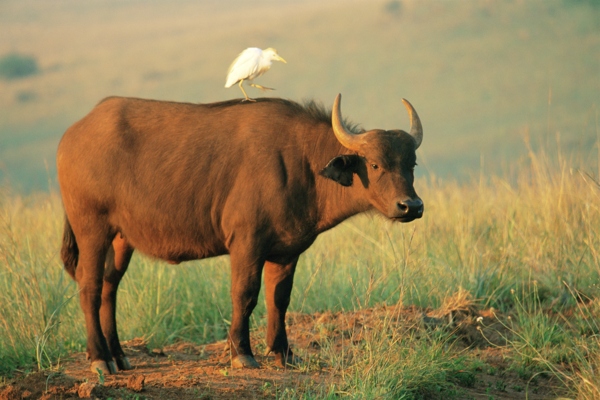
(101,366)
(123,363)
(244,361)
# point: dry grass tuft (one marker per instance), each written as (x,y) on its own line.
(461,301)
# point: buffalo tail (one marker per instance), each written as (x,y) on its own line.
(69,252)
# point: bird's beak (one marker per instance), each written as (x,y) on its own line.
(279,58)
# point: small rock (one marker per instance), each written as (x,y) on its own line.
(86,390)
(136,383)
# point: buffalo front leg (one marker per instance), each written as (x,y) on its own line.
(278,288)
(117,261)
(245,286)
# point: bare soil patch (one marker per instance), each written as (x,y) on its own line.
(187,371)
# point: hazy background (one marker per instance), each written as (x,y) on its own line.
(483,75)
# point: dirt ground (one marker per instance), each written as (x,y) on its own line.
(186,371)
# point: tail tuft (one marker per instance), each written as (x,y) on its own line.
(69,252)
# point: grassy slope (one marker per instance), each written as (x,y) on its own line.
(481,74)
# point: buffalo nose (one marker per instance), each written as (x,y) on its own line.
(411,208)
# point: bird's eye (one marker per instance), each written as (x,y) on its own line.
(374,166)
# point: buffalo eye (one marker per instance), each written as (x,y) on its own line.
(374,166)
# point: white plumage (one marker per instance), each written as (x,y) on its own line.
(250,64)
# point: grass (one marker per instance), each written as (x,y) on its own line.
(395,365)
(525,245)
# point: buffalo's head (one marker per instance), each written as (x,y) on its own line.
(384,161)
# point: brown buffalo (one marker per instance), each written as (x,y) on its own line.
(258,181)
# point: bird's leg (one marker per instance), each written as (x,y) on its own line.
(243,91)
(263,88)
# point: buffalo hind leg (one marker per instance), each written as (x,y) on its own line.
(278,288)
(93,246)
(117,261)
(245,285)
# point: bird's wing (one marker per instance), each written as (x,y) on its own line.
(244,66)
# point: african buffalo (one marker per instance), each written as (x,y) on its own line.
(255,180)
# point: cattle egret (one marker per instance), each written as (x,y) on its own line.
(250,64)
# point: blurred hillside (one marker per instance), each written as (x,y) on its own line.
(482,74)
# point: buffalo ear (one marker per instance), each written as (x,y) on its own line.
(341,169)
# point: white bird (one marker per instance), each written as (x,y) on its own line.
(249,64)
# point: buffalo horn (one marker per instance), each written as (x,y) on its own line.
(354,141)
(416,130)
(345,137)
